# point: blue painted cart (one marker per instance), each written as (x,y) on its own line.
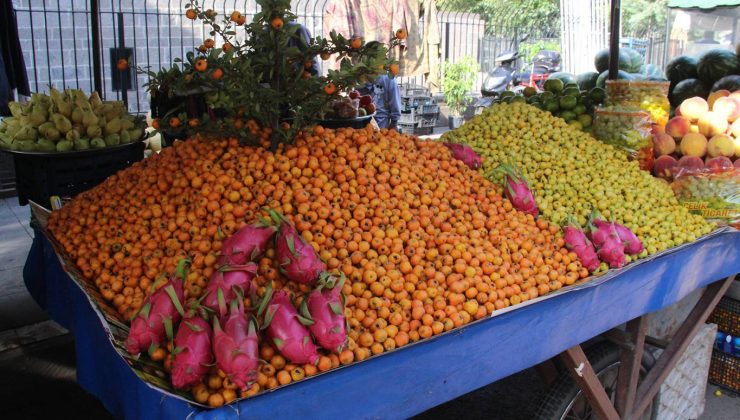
(415,378)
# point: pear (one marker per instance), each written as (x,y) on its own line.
(16,109)
(45,145)
(52,134)
(135,133)
(82,144)
(125,138)
(60,103)
(126,124)
(26,133)
(89,119)
(113,126)
(112,140)
(97,143)
(77,115)
(44,127)
(64,146)
(94,131)
(72,135)
(61,123)
(35,119)
(95,100)
(26,146)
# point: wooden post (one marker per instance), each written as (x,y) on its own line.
(582,372)
(681,340)
(629,367)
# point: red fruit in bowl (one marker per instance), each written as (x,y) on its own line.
(664,166)
(354,94)
(366,100)
(370,108)
(719,164)
(737,163)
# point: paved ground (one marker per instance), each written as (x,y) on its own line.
(37,368)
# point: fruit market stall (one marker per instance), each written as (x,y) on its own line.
(265,264)
(405,381)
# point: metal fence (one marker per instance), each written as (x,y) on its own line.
(59,45)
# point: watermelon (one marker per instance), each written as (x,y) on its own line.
(587,81)
(565,77)
(651,71)
(601,80)
(688,89)
(716,64)
(635,60)
(731,83)
(601,60)
(681,68)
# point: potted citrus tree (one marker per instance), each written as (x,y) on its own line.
(457,80)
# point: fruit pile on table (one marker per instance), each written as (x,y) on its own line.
(426,244)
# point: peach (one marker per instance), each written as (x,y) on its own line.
(721,145)
(663,144)
(678,127)
(694,108)
(737,163)
(728,108)
(694,128)
(688,164)
(719,164)
(734,129)
(716,95)
(663,166)
(693,144)
(736,142)
(712,123)
(656,129)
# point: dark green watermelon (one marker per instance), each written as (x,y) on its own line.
(565,77)
(601,81)
(716,64)
(731,83)
(681,68)
(686,89)
(651,71)
(601,60)
(635,60)
(587,81)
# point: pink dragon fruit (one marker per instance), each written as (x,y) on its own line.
(599,230)
(236,346)
(287,329)
(154,322)
(297,258)
(517,190)
(247,243)
(577,241)
(632,244)
(325,307)
(465,153)
(193,352)
(226,284)
(612,252)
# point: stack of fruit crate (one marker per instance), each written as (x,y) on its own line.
(419,111)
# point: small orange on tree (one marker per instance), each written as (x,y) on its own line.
(122,64)
(201,64)
(235,16)
(175,122)
(191,14)
(193,122)
(217,74)
(394,69)
(330,88)
(401,34)
(209,43)
(356,43)
(277,23)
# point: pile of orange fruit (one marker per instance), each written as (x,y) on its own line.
(426,244)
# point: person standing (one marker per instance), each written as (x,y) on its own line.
(387,99)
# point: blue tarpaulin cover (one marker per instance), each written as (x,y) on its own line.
(406,381)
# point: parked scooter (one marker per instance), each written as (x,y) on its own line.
(503,77)
(544,63)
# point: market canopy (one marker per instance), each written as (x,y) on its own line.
(702,4)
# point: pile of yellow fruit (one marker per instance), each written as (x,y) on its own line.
(570,172)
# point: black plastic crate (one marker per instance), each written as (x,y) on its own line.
(727,316)
(42,175)
(359,122)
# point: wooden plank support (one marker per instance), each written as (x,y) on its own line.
(547,371)
(629,367)
(580,369)
(686,332)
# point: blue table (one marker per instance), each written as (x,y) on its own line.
(406,381)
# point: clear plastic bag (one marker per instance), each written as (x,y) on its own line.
(712,193)
(651,97)
(627,130)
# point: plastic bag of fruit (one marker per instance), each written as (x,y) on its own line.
(648,96)
(713,192)
(628,130)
